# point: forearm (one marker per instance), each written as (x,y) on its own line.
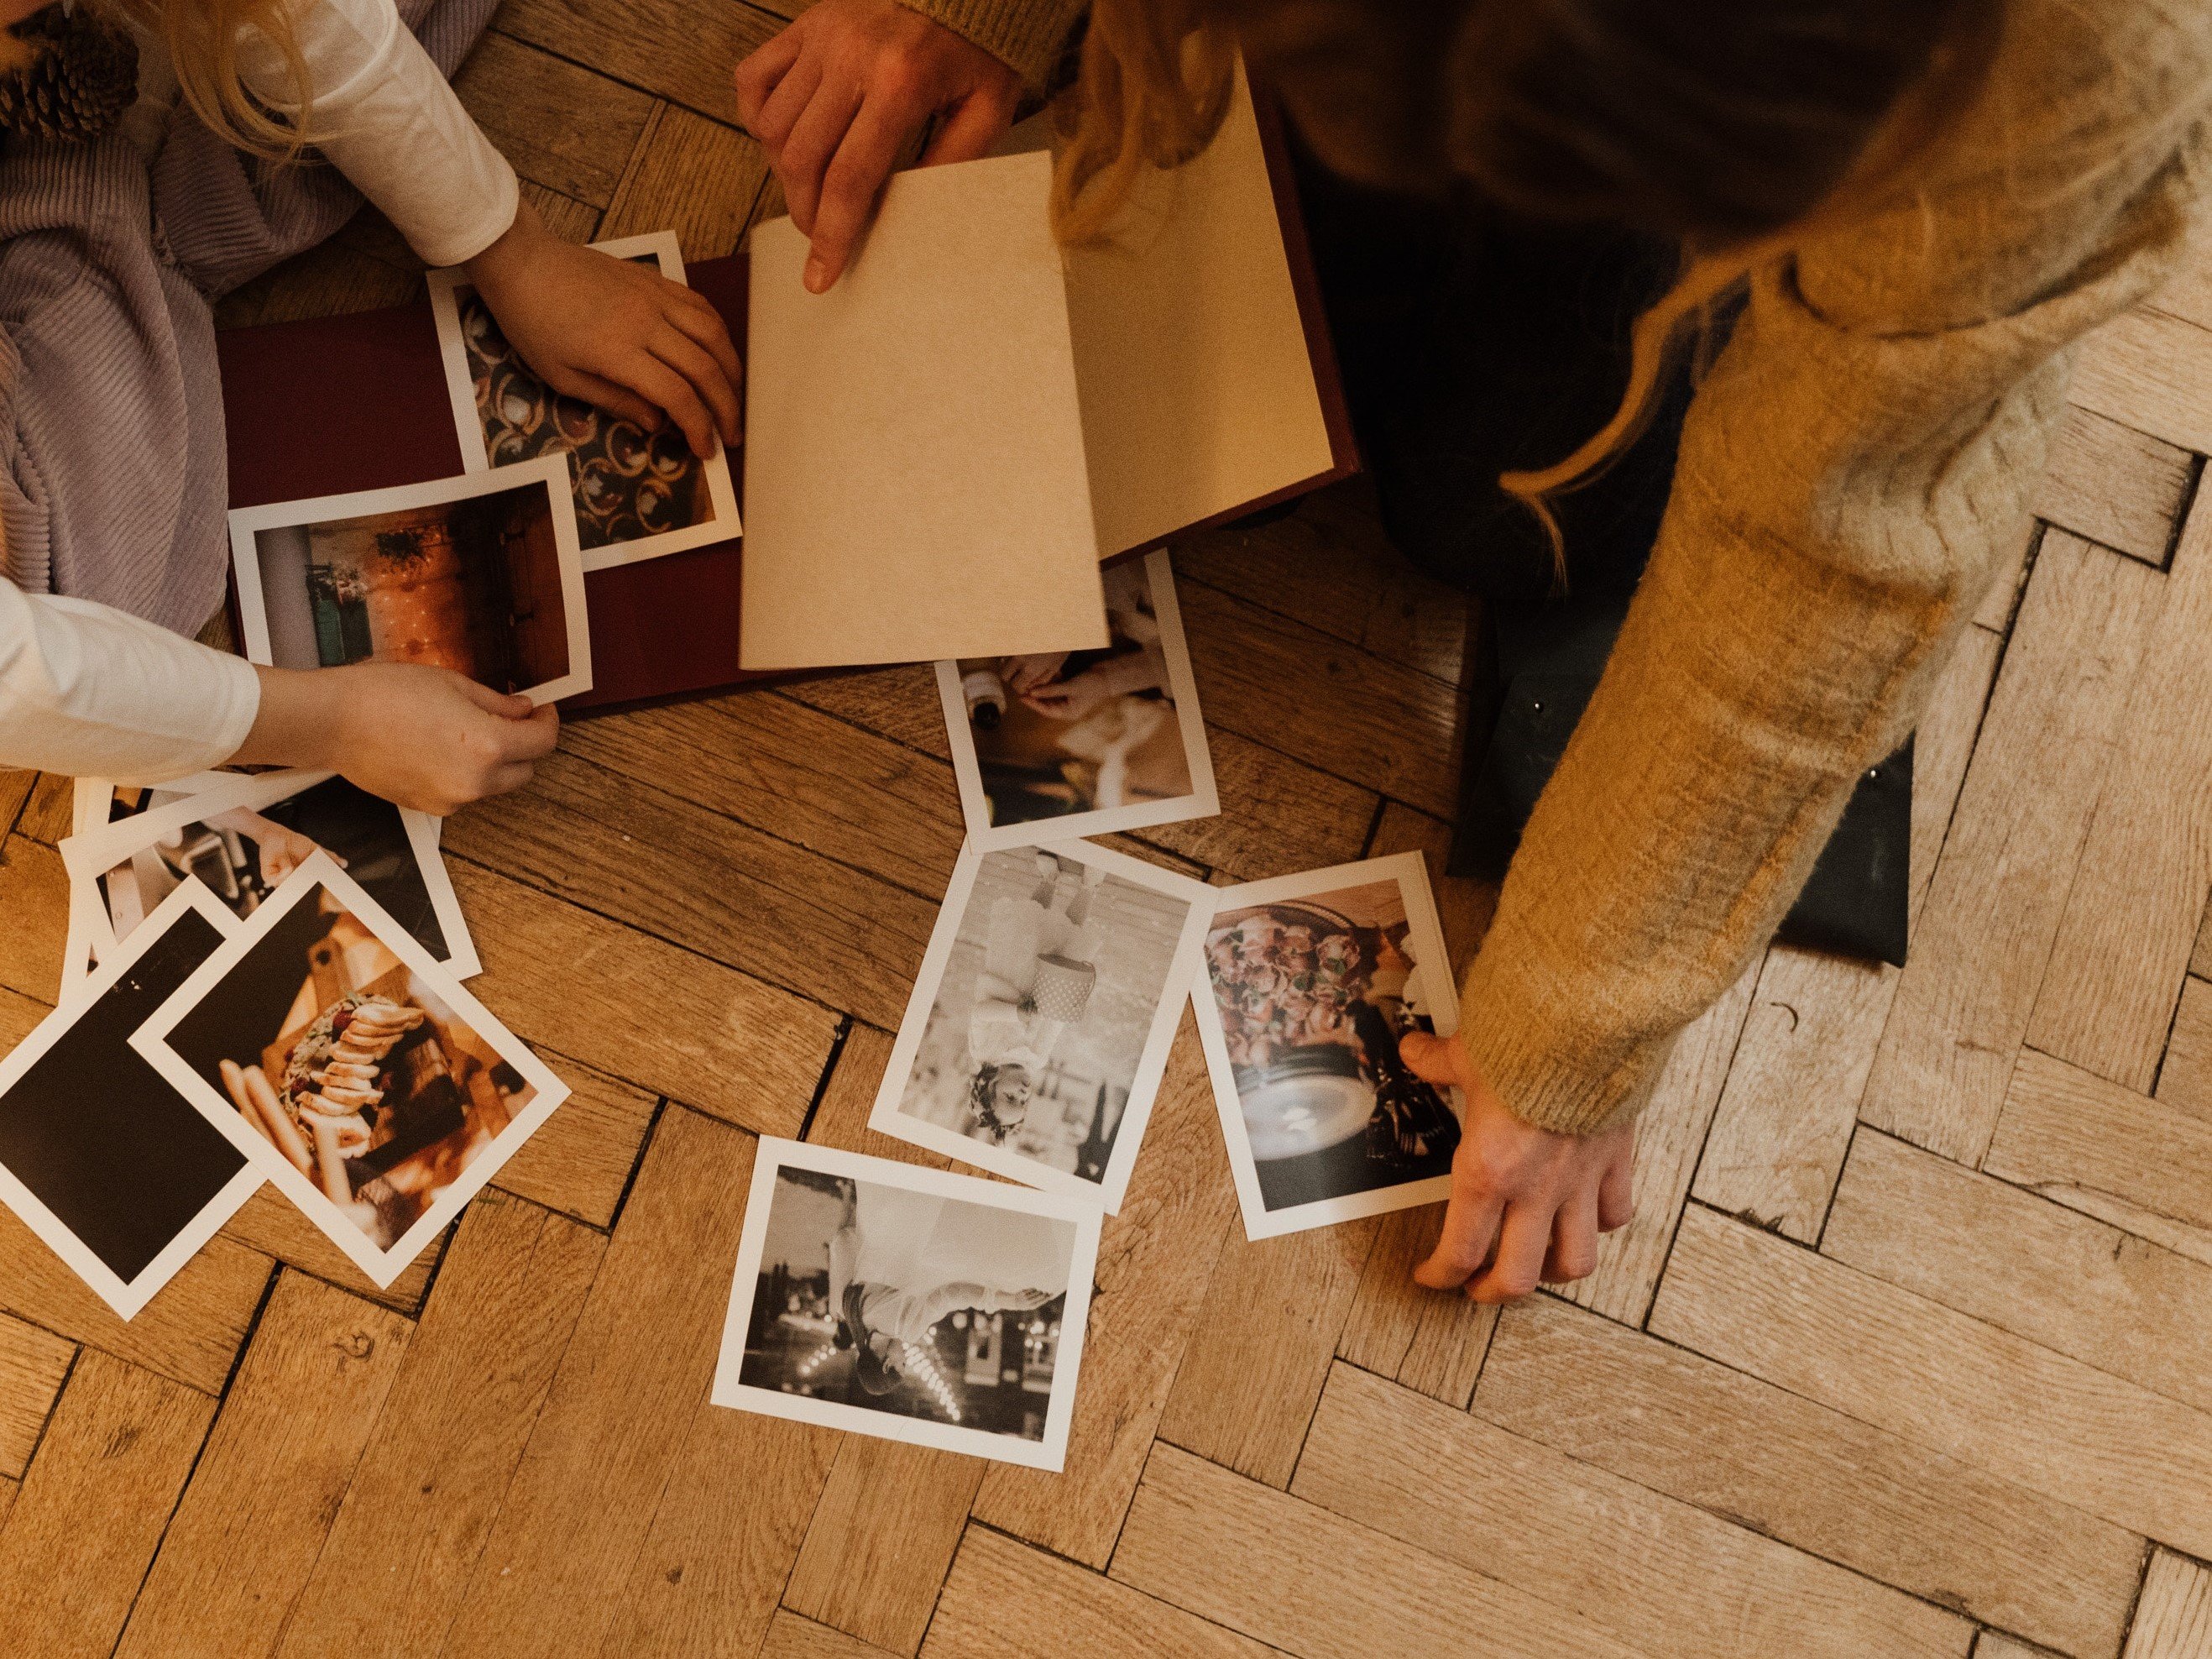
(89,692)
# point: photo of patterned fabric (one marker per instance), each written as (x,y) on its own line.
(630,482)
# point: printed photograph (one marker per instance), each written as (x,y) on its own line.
(242,836)
(638,493)
(99,1156)
(1313,979)
(1049,747)
(480,573)
(1034,1040)
(908,1304)
(372,1088)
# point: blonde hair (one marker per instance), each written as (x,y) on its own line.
(1594,110)
(202,37)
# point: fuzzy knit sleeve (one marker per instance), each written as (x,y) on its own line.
(1865,444)
(1027,35)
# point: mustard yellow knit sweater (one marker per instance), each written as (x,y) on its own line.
(1862,452)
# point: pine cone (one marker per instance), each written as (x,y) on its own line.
(84,76)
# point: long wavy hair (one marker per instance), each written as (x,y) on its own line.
(203,38)
(1735,128)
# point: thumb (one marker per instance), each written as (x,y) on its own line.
(1433,1058)
(508,705)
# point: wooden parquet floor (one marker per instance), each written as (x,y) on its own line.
(1908,1353)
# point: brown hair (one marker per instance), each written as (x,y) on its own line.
(1734,127)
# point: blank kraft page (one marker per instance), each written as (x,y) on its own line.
(916,481)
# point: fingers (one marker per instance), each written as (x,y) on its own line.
(849,189)
(1573,1253)
(781,109)
(533,739)
(617,400)
(507,704)
(1469,1231)
(654,378)
(760,71)
(1429,1056)
(1523,1241)
(805,158)
(1616,1191)
(692,313)
(707,377)
(967,133)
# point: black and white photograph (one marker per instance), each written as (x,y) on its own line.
(241,836)
(373,1090)
(100,1155)
(909,1304)
(1310,982)
(1051,747)
(639,494)
(481,573)
(1038,1029)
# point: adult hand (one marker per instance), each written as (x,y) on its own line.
(1527,1205)
(612,333)
(1071,699)
(423,738)
(1022,674)
(836,96)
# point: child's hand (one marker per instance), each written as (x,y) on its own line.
(614,333)
(422,737)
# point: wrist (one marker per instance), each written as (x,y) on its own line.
(512,247)
(300,720)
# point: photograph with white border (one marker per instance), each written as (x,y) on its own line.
(243,833)
(1040,1025)
(913,1304)
(1309,979)
(95,801)
(115,1171)
(1049,747)
(481,573)
(639,494)
(363,1079)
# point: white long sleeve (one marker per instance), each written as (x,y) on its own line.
(384,117)
(91,691)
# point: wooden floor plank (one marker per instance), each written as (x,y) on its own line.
(1962,1002)
(2175,1618)
(47,812)
(1427,1339)
(1291,1574)
(695,177)
(721,1042)
(1356,716)
(2151,371)
(261,1504)
(75,1548)
(601,1452)
(649,859)
(1671,1134)
(580,1159)
(437,1463)
(560,125)
(271,1225)
(33,1364)
(190,1332)
(1006,1601)
(2111,484)
(799,774)
(1155,1261)
(1663,1576)
(1329,565)
(668,48)
(1264,1344)
(790,1636)
(2184,1079)
(2026,1266)
(1900,1362)
(1874,1501)
(2200,959)
(2138,897)
(2094,1146)
(35,898)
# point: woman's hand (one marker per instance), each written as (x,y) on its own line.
(1022,674)
(612,333)
(423,738)
(837,96)
(1527,1205)
(1071,700)
(280,849)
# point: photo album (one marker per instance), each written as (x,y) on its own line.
(971,452)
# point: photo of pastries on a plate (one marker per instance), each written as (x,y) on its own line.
(352,1066)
